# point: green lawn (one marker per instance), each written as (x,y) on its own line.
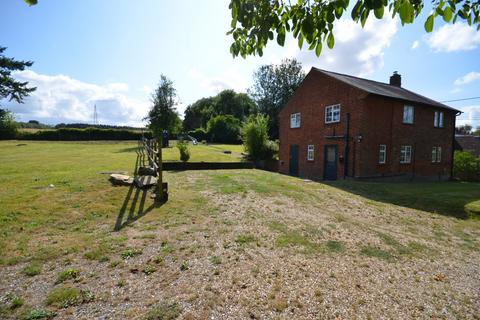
(228,231)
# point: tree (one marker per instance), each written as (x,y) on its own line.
(273,86)
(224,129)
(10,88)
(477,132)
(163,115)
(255,22)
(8,126)
(198,114)
(227,102)
(464,129)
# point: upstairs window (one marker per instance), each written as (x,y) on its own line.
(408,114)
(332,114)
(310,152)
(382,154)
(295,120)
(436,154)
(438,119)
(405,154)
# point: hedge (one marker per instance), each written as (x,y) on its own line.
(70,134)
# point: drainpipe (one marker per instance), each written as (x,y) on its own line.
(347,140)
(453,142)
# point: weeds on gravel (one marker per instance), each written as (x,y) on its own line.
(148,270)
(371,251)
(245,239)
(69,274)
(32,269)
(98,254)
(335,246)
(216,260)
(164,311)
(16,302)
(39,314)
(130,253)
(65,297)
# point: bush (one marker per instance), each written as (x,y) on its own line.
(8,126)
(164,311)
(255,139)
(465,166)
(200,134)
(71,134)
(224,129)
(184,152)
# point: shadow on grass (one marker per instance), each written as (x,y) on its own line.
(445,198)
(133,207)
(132,149)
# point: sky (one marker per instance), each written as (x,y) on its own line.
(111,54)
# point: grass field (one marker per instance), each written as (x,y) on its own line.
(229,243)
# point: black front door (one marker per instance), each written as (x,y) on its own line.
(293,168)
(330,163)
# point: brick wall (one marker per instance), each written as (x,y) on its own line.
(378,120)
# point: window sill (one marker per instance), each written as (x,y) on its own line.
(333,122)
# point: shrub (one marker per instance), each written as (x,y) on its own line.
(184,152)
(224,129)
(64,297)
(200,134)
(255,138)
(465,166)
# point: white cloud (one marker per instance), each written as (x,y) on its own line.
(415,45)
(454,37)
(467,78)
(357,51)
(470,115)
(60,98)
(216,84)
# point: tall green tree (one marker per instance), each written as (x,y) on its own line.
(8,126)
(256,22)
(10,88)
(273,86)
(163,114)
(198,113)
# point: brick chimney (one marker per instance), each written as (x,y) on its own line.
(396,79)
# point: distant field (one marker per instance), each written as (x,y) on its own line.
(228,244)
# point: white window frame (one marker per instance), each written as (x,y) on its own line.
(408,116)
(310,152)
(406,154)
(295,120)
(332,113)
(382,154)
(436,154)
(438,119)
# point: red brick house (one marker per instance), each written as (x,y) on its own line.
(337,126)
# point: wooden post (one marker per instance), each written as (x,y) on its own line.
(160,196)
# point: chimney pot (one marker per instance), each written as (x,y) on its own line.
(396,79)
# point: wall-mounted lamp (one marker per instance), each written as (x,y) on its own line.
(360,137)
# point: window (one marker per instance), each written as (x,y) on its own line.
(405,154)
(332,114)
(310,152)
(436,154)
(408,114)
(438,119)
(382,154)
(295,120)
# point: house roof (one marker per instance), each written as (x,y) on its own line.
(468,143)
(384,89)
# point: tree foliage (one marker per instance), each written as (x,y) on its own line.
(227,102)
(10,88)
(464,129)
(273,86)
(8,126)
(224,129)
(311,22)
(163,114)
(465,166)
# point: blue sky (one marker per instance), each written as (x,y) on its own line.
(111,53)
